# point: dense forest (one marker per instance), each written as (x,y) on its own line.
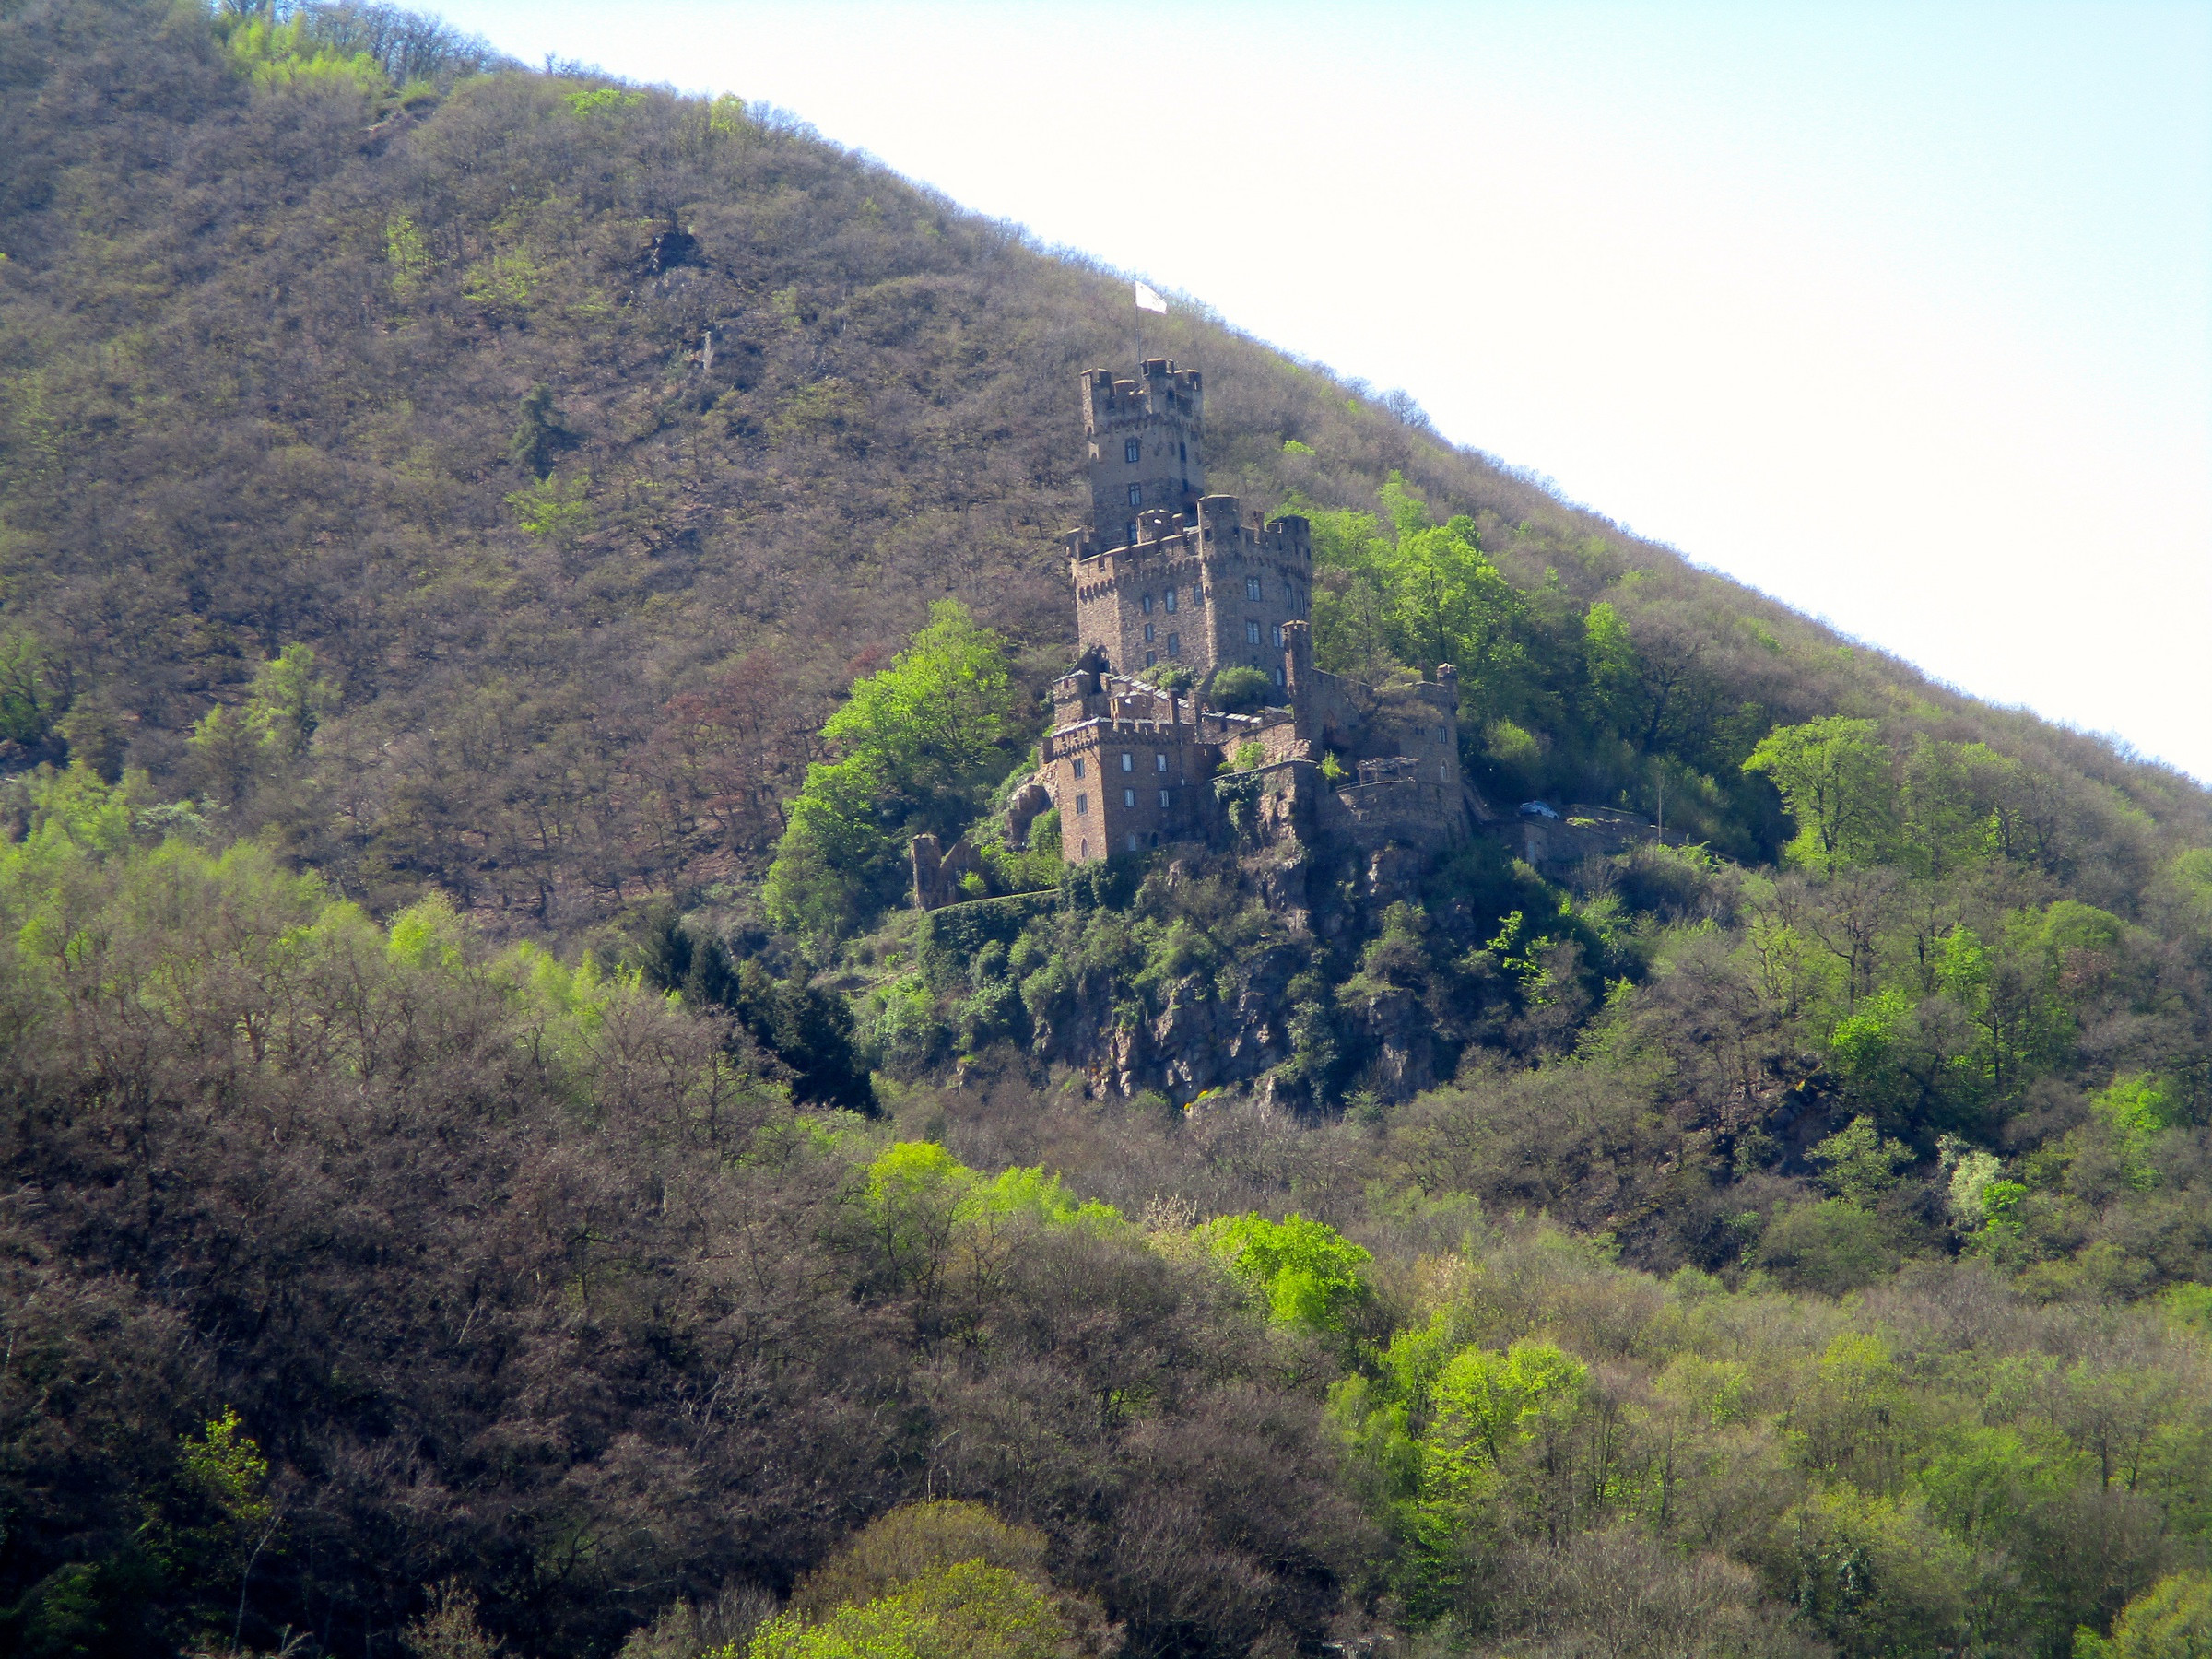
(495,564)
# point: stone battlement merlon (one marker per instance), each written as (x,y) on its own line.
(1162,390)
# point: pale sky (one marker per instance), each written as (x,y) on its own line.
(1900,313)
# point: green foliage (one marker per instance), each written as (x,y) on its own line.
(966,1610)
(29,702)
(923,743)
(1858,1165)
(269,734)
(1240,688)
(557,509)
(1305,1271)
(289,53)
(807,1030)
(540,435)
(1835,782)
(1831,1247)
(2173,1619)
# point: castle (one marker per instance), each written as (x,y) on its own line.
(1173,587)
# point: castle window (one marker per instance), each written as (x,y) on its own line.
(1136,495)
(1128,797)
(1151,657)
(1146,604)
(1197,595)
(1132,841)
(1175,645)
(1128,762)
(1082,806)
(1163,800)
(1170,601)
(1252,633)
(1160,763)
(1252,587)
(1147,634)
(1131,450)
(1078,766)
(1279,677)
(1182,453)
(1082,849)
(1131,532)
(1278,633)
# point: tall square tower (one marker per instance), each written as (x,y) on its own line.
(1146,444)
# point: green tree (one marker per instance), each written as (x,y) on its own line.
(1307,1271)
(235,750)
(541,434)
(29,702)
(1835,779)
(966,1610)
(2173,1619)
(923,743)
(1858,1165)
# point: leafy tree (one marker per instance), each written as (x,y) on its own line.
(1858,1165)
(921,743)
(966,1610)
(1240,688)
(28,701)
(543,432)
(1834,776)
(2173,1619)
(1307,1272)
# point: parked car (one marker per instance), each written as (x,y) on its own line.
(1537,810)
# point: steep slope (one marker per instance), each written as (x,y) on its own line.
(447,1192)
(265,345)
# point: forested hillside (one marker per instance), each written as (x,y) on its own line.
(487,559)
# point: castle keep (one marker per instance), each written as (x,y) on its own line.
(1172,586)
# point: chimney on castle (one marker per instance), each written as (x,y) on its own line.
(1147,446)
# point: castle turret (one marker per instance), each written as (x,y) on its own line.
(1146,446)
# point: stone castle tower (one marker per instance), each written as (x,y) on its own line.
(1165,573)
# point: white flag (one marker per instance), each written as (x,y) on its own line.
(1148,300)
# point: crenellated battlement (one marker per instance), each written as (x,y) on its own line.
(1167,576)
(1147,446)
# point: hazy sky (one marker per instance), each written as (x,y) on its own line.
(1903,313)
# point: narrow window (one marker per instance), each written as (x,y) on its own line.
(1136,495)
(1278,633)
(1279,677)
(1163,800)
(1160,763)
(1131,450)
(1182,453)
(1144,604)
(1175,645)
(1128,762)
(1170,601)
(1252,587)
(1078,766)
(1252,633)
(1132,841)
(1197,595)
(1151,657)
(1083,849)
(1128,797)
(1147,634)
(1082,806)
(1130,533)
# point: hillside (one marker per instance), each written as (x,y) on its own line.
(491,1154)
